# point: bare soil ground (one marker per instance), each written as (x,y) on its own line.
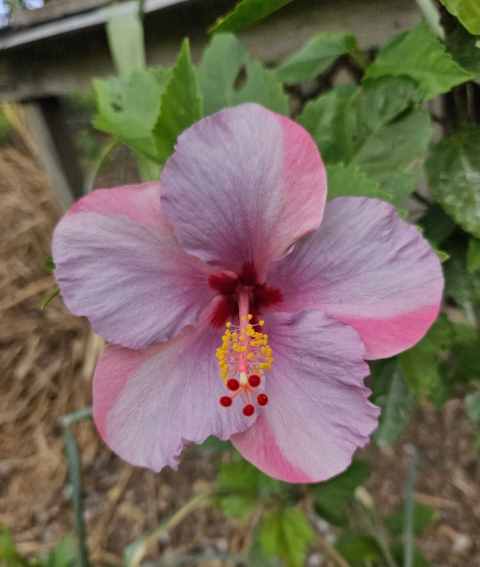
(46,363)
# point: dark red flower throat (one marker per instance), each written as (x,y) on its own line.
(229,285)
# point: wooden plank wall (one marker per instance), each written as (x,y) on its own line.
(61,64)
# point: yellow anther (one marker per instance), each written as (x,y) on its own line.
(243,353)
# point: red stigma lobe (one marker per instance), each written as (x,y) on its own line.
(226,401)
(249,410)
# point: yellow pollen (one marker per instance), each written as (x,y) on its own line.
(243,354)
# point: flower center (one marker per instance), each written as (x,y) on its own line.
(243,358)
(229,286)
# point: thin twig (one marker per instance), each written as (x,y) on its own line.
(150,540)
(332,553)
(325,546)
(373,524)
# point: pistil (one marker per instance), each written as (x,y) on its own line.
(244,357)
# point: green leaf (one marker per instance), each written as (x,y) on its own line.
(472,407)
(473,255)
(419,54)
(399,146)
(437,225)
(241,487)
(246,13)
(465,362)
(423,517)
(220,66)
(125,38)
(351,181)
(63,554)
(258,558)
(333,497)
(181,104)
(422,364)
(467,11)
(391,135)
(358,550)
(465,49)
(286,534)
(395,399)
(147,168)
(9,555)
(222,62)
(378,128)
(453,169)
(325,119)
(263,87)
(316,56)
(49,265)
(418,558)
(214,446)
(128,108)
(460,286)
(161,74)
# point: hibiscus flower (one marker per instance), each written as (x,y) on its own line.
(238,303)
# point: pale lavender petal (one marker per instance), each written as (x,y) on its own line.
(118,264)
(368,268)
(242,185)
(149,404)
(318,413)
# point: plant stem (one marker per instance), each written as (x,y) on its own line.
(432,15)
(74,473)
(76,416)
(381,538)
(372,523)
(102,156)
(409,511)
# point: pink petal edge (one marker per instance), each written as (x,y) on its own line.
(319,412)
(118,264)
(369,268)
(149,404)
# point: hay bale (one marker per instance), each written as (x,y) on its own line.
(46,362)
